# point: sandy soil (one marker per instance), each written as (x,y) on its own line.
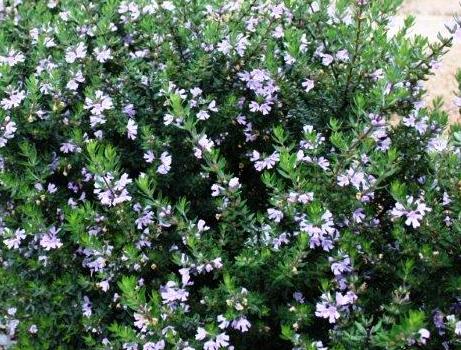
(431,17)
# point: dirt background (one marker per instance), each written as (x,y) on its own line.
(431,17)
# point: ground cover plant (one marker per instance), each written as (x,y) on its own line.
(207,174)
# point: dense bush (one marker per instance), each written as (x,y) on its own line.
(207,174)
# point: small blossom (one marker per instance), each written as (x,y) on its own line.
(165,166)
(275,215)
(234,183)
(149,156)
(132,129)
(75,53)
(424,335)
(308,85)
(50,240)
(103,54)
(15,240)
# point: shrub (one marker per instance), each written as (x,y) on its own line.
(194,174)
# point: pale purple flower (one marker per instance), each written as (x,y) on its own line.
(69,147)
(9,129)
(341,266)
(102,54)
(196,91)
(241,324)
(298,296)
(342,55)
(75,53)
(112,192)
(267,163)
(413,219)
(50,240)
(149,156)
(216,190)
(172,294)
(168,5)
(165,166)
(129,110)
(234,184)
(326,59)
(275,215)
(424,335)
(212,106)
(146,219)
(319,345)
(276,11)
(204,145)
(308,85)
(168,119)
(203,115)
(278,32)
(160,345)
(328,311)
(86,307)
(52,188)
(104,285)
(14,241)
(132,129)
(201,333)
(414,211)
(201,226)
(437,144)
(14,99)
(141,322)
(358,215)
(13,57)
(346,299)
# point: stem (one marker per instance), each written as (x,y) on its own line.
(354,58)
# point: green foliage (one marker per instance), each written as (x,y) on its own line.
(207,174)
